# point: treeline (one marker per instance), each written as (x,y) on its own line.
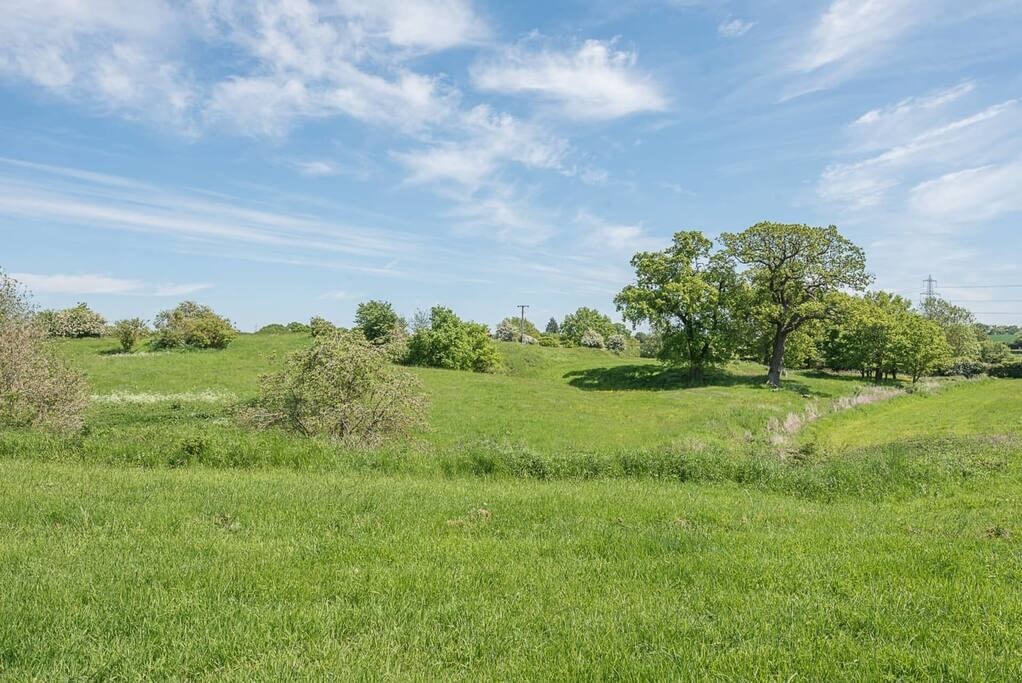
(789,296)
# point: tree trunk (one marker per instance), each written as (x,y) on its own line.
(777,359)
(878,376)
(695,374)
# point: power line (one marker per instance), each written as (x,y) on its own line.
(521,327)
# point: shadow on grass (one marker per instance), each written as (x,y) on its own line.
(659,378)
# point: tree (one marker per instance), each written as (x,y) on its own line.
(958,325)
(995,352)
(378,321)
(321,327)
(76,322)
(509,329)
(794,270)
(925,349)
(591,339)
(691,298)
(872,334)
(129,332)
(450,342)
(192,326)
(345,387)
(575,325)
(552,327)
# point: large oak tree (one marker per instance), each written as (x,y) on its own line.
(794,270)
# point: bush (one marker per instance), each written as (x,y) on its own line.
(129,332)
(551,340)
(379,322)
(995,352)
(298,327)
(1011,370)
(76,322)
(617,343)
(966,368)
(36,389)
(192,326)
(650,345)
(272,328)
(321,327)
(449,342)
(343,387)
(591,339)
(576,324)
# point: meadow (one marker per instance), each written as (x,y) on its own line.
(576,514)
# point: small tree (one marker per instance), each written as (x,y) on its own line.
(995,352)
(510,329)
(591,339)
(575,325)
(552,327)
(192,326)
(617,343)
(794,270)
(345,387)
(129,332)
(321,327)
(378,321)
(925,349)
(36,389)
(298,328)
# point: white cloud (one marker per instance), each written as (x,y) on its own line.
(857,29)
(594,81)
(316,167)
(100,284)
(615,238)
(425,24)
(335,295)
(501,214)
(488,141)
(971,195)
(734,28)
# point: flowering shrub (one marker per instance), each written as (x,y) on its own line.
(320,327)
(617,343)
(592,339)
(76,322)
(192,326)
(129,332)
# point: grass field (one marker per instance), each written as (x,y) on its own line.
(577,515)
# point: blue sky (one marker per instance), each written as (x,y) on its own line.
(284,159)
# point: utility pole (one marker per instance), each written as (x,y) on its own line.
(521,325)
(931,293)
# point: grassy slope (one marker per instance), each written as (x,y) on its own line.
(221,572)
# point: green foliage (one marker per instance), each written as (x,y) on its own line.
(37,390)
(691,298)
(192,326)
(449,342)
(76,322)
(343,387)
(575,325)
(510,329)
(617,343)
(1012,370)
(321,327)
(550,340)
(591,339)
(995,353)
(552,327)
(379,322)
(297,327)
(129,332)
(650,345)
(273,328)
(794,271)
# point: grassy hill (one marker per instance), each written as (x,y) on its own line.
(577,515)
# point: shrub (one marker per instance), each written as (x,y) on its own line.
(298,327)
(192,326)
(617,343)
(995,352)
(343,387)
(551,340)
(576,324)
(76,322)
(1011,370)
(272,328)
(129,332)
(378,321)
(449,342)
(321,327)
(650,345)
(591,339)
(36,389)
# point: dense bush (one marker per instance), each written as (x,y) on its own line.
(576,324)
(447,341)
(345,387)
(76,322)
(379,322)
(592,339)
(1012,370)
(995,352)
(36,389)
(273,328)
(551,340)
(129,332)
(617,343)
(298,327)
(192,326)
(321,327)
(649,345)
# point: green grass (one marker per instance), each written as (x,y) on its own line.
(576,516)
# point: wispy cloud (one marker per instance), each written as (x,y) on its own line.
(335,295)
(82,284)
(592,81)
(734,28)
